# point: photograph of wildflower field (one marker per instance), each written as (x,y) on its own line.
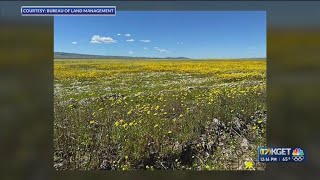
(145,107)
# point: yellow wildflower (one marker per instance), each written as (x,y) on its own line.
(248,164)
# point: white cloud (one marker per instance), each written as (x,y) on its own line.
(130,40)
(179,42)
(145,48)
(74,42)
(146,41)
(119,34)
(101,39)
(128,35)
(130,52)
(161,50)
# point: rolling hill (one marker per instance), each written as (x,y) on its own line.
(65,55)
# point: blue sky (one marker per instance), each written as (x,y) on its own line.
(193,34)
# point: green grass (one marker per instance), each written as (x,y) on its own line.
(158,115)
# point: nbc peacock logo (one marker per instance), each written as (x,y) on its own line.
(297,154)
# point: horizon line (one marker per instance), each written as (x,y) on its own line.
(164,57)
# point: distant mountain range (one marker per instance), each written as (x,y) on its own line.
(65,55)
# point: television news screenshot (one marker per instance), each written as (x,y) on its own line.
(159,89)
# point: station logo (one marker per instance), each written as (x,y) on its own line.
(297,154)
(280,154)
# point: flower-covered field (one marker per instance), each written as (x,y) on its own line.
(159,114)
